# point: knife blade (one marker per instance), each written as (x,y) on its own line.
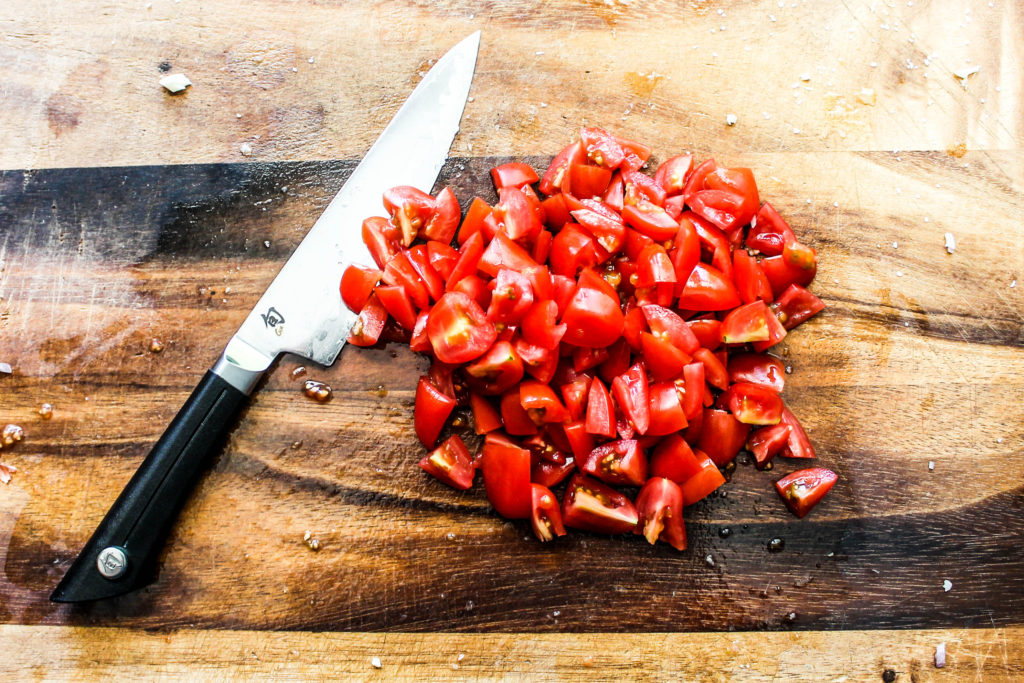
(301,312)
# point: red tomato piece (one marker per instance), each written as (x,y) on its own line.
(472,224)
(804,489)
(476,289)
(419,259)
(539,325)
(714,371)
(502,252)
(695,182)
(506,469)
(765,443)
(748,323)
(685,252)
(516,216)
(740,182)
(693,390)
(399,272)
(795,305)
(540,403)
(469,259)
(616,363)
(609,232)
(593,319)
(707,289)
(642,189)
(664,360)
(540,363)
(672,174)
(666,324)
(496,371)
(796,266)
(614,194)
(558,170)
(651,220)
(556,213)
(696,474)
(692,433)
(588,181)
(382,238)
(634,325)
(442,258)
(751,282)
(445,220)
(580,441)
(636,153)
(722,436)
(631,394)
(396,302)
(600,413)
(516,420)
(708,332)
(574,394)
(511,299)
(601,148)
(798,445)
(587,359)
(655,268)
(420,342)
(513,174)
(357,285)
(666,409)
(410,210)
(769,233)
(620,462)
(545,516)
(660,513)
(485,417)
(451,463)
(573,249)
(753,404)
(370,323)
(776,333)
(431,411)
(758,368)
(589,505)
(458,330)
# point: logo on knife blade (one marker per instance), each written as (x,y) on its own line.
(273,318)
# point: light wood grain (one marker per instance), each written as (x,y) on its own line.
(42,652)
(82,84)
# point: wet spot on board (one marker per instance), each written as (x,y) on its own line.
(642,85)
(62,112)
(164,66)
(957,150)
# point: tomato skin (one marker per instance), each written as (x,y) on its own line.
(672,174)
(613,194)
(747,323)
(382,239)
(714,372)
(751,282)
(696,474)
(758,368)
(776,333)
(551,473)
(693,392)
(445,219)
(666,324)
(473,222)
(539,325)
(804,489)
(516,216)
(396,302)
(660,513)
(593,319)
(601,147)
(685,252)
(781,274)
(664,360)
(753,404)
(545,516)
(511,299)
(740,182)
(513,174)
(469,259)
(476,289)
(370,323)
(506,469)
(539,363)
(419,260)
(442,258)
(609,232)
(410,209)
(485,417)
(654,268)
(587,181)
(798,445)
(420,342)
(630,390)
(722,436)
(558,170)
(574,395)
(707,289)
(450,463)
(633,326)
(580,441)
(770,232)
(357,285)
(641,189)
(496,371)
(503,252)
(708,332)
(540,403)
(458,330)
(765,443)
(431,411)
(589,505)
(556,213)
(666,410)
(400,272)
(796,305)
(695,182)
(650,220)
(573,249)
(600,418)
(620,462)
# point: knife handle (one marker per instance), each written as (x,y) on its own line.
(120,556)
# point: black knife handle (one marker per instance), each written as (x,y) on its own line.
(136,526)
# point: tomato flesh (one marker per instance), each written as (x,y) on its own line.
(589,505)
(660,513)
(451,463)
(804,489)
(545,516)
(506,469)
(458,330)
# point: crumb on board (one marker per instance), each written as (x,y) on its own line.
(11,434)
(6,369)
(965,72)
(867,97)
(940,655)
(45,411)
(947,585)
(175,83)
(375,662)
(950,242)
(246,149)
(6,471)
(731,119)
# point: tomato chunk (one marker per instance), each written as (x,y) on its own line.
(458,330)
(591,506)
(431,412)
(451,463)
(660,513)
(545,516)
(804,489)
(620,462)
(506,469)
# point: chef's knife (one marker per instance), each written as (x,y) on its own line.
(301,313)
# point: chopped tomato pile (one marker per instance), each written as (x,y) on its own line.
(606,328)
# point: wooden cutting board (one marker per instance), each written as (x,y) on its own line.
(128,215)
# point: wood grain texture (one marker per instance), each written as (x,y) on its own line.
(118,256)
(917,359)
(46,652)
